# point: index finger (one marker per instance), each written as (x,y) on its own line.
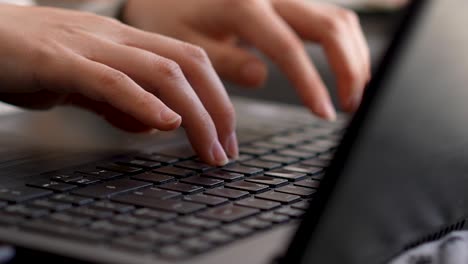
(279,42)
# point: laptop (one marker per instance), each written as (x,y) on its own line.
(302,190)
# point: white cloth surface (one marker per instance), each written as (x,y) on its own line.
(452,249)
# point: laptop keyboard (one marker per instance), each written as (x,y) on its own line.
(177,207)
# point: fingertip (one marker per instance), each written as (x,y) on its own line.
(170,119)
(218,156)
(326,111)
(231,146)
(254,73)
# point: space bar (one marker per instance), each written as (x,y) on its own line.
(175,206)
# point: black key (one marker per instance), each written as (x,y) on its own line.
(314,148)
(269,145)
(50,205)
(326,157)
(266,165)
(126,219)
(256,151)
(154,214)
(181,152)
(291,212)
(66,177)
(247,186)
(86,180)
(287,140)
(53,185)
(73,199)
(280,159)
(154,178)
(3,204)
(174,171)
(203,181)
(175,229)
(198,222)
(182,187)
(154,237)
(68,219)
(285,174)
(107,189)
(173,252)
(224,175)
(237,168)
(194,165)
(140,163)
(297,190)
(258,204)
(22,193)
(303,169)
(90,212)
(274,218)
(308,183)
(237,230)
(25,211)
(316,163)
(270,181)
(100,173)
(119,168)
(158,193)
(303,205)
(159,158)
(278,197)
(227,193)
(64,232)
(113,207)
(107,227)
(317,177)
(166,205)
(205,199)
(296,154)
(217,237)
(228,213)
(196,245)
(255,223)
(244,157)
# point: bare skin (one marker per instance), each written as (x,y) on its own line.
(139,80)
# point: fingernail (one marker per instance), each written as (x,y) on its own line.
(254,72)
(328,111)
(232,146)
(218,154)
(169,116)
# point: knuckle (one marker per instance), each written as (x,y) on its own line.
(205,120)
(168,68)
(334,25)
(112,78)
(348,16)
(195,53)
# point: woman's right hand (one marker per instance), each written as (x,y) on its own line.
(136,80)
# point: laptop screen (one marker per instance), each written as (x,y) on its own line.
(400,176)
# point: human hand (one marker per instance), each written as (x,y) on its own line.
(275,27)
(136,80)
